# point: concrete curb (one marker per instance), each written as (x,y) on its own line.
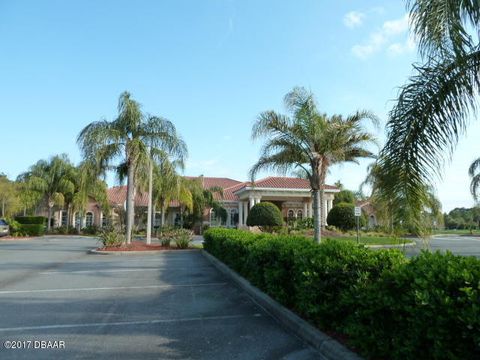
(329,348)
(147,252)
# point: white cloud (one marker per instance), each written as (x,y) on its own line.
(353,19)
(395,27)
(399,48)
(387,36)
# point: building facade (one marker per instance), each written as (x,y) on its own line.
(291,195)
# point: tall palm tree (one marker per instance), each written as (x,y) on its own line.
(168,185)
(310,141)
(51,179)
(88,184)
(130,139)
(433,108)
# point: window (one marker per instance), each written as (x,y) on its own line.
(89,219)
(233,217)
(291,214)
(64,221)
(104,220)
(300,214)
(213,217)
(77,219)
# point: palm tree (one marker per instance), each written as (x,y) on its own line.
(433,108)
(474,173)
(88,185)
(168,185)
(52,180)
(310,141)
(383,205)
(131,138)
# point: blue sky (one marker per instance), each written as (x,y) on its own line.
(209,66)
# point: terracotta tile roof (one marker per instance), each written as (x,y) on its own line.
(118,194)
(209,182)
(280,182)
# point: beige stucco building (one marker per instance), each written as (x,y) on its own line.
(292,196)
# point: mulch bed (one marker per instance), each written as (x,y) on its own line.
(138,246)
(10,238)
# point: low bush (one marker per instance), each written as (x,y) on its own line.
(90,230)
(61,230)
(342,217)
(31,229)
(14,227)
(388,306)
(183,238)
(266,215)
(111,238)
(38,220)
(429,308)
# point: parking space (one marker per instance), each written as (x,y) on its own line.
(174,305)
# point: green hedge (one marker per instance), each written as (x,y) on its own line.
(31,220)
(31,229)
(389,307)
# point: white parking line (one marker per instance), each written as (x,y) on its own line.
(6,292)
(116,270)
(123,323)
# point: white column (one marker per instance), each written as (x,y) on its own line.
(310,209)
(251,202)
(330,205)
(240,213)
(245,212)
(325,210)
(305,210)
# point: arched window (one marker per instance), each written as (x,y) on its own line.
(291,214)
(76,217)
(233,217)
(64,221)
(89,219)
(300,214)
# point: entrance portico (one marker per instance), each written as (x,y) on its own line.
(293,203)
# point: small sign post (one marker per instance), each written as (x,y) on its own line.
(358,213)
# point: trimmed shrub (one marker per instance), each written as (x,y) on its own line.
(32,229)
(265,214)
(31,220)
(426,309)
(390,307)
(342,216)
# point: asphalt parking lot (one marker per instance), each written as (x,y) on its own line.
(173,305)
(459,245)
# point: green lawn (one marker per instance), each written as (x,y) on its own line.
(374,240)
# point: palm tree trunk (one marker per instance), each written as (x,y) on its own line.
(130,203)
(316,216)
(323,222)
(49,218)
(149,212)
(162,218)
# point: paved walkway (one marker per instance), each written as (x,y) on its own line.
(169,306)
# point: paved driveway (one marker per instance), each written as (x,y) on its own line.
(169,306)
(460,245)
